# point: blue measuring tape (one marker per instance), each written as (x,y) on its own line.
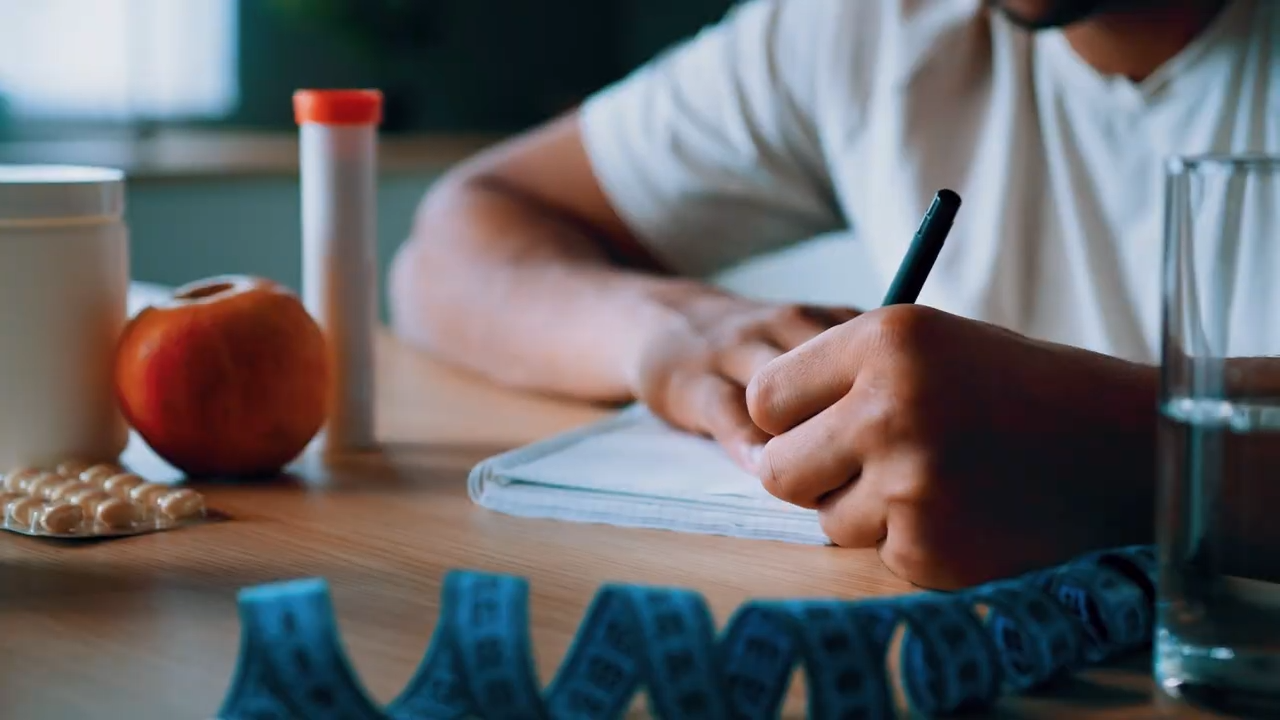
(923,654)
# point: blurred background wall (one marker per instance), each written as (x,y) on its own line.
(192,99)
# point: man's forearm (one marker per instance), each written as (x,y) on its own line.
(493,282)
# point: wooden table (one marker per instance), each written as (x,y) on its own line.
(146,627)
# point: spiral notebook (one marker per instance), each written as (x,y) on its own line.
(634,470)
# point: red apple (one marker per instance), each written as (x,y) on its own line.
(227,378)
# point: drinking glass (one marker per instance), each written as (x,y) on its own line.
(1218,598)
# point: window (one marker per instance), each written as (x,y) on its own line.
(118,60)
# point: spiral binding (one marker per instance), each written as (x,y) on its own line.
(924,654)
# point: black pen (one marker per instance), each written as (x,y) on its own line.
(924,249)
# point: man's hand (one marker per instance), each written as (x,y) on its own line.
(693,369)
(963,451)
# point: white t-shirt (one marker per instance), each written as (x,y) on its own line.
(793,118)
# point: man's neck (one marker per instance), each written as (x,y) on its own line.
(1135,41)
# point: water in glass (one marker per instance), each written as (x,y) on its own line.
(1218,607)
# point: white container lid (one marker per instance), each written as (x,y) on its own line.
(59,192)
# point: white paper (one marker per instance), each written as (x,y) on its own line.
(633,470)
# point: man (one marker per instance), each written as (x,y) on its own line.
(1005,422)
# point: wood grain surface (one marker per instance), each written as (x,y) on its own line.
(146,627)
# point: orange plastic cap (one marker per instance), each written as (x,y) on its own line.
(338,107)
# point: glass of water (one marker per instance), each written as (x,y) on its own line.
(1218,606)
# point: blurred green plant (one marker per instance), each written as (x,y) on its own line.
(382,31)
(390,37)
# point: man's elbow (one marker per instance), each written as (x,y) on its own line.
(407,311)
(418,271)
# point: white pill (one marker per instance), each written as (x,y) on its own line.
(147,494)
(120,485)
(71,468)
(99,473)
(61,518)
(16,479)
(181,504)
(115,513)
(61,490)
(42,484)
(87,498)
(21,512)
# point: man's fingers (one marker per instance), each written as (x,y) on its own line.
(741,362)
(854,516)
(803,382)
(808,463)
(729,424)
(794,327)
(709,404)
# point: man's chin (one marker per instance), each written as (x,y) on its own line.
(1045,14)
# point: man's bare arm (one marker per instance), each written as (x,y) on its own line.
(519,268)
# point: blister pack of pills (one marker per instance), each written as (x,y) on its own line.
(83,500)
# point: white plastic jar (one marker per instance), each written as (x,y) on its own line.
(64,283)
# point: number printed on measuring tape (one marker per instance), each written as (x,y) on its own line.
(923,654)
